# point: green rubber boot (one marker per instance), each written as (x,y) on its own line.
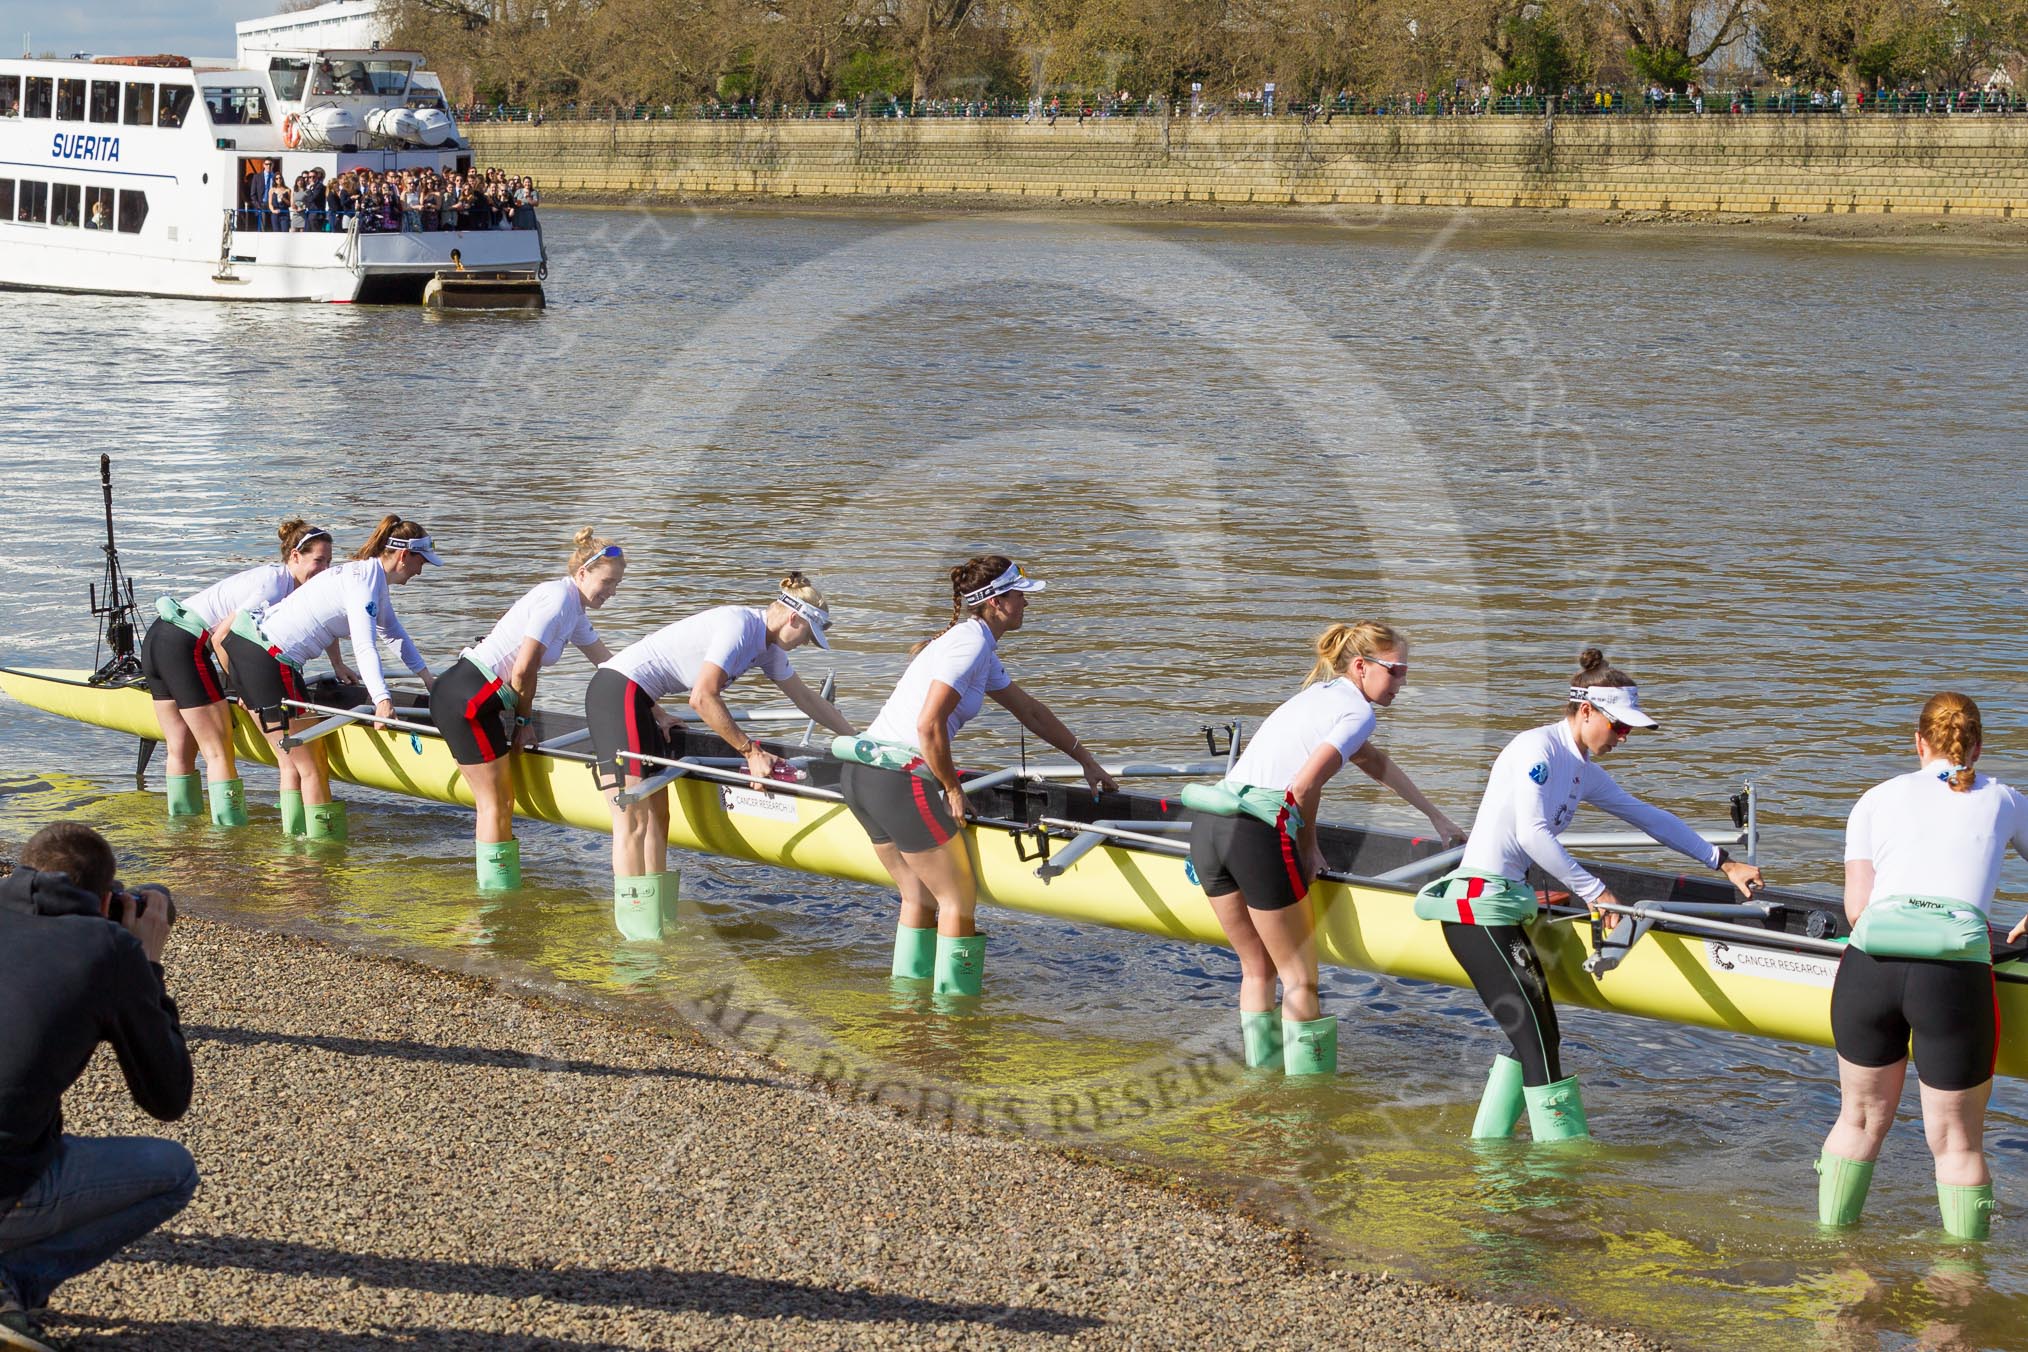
(960,965)
(326,821)
(1500,1106)
(295,821)
(185,799)
(228,803)
(1967,1209)
(1260,1033)
(499,865)
(637,906)
(1555,1112)
(1310,1046)
(915,953)
(1841,1189)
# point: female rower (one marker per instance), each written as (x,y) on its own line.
(267,650)
(701,655)
(1535,788)
(497,677)
(1253,838)
(1922,855)
(181,670)
(902,785)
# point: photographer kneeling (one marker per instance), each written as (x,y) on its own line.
(80,964)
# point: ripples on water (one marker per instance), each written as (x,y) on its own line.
(1776,481)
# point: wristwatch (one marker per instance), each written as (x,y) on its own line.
(1723,858)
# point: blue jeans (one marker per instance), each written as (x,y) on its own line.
(99,1195)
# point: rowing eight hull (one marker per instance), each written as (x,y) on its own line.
(1724,984)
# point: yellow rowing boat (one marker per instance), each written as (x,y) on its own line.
(1055,850)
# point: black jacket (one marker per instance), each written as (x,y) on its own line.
(69,980)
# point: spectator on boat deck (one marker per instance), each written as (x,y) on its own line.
(80,965)
(344,201)
(525,202)
(297,216)
(314,200)
(411,205)
(279,204)
(260,187)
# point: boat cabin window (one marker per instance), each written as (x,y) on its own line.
(32,200)
(133,211)
(106,101)
(287,74)
(424,100)
(174,105)
(6,199)
(345,76)
(140,105)
(66,204)
(40,97)
(10,96)
(70,100)
(98,213)
(235,105)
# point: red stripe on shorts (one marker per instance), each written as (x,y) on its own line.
(1472,890)
(204,675)
(627,699)
(1289,860)
(922,805)
(486,691)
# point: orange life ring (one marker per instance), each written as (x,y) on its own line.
(291,135)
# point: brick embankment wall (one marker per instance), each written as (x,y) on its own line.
(1855,164)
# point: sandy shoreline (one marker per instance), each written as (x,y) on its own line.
(1905,231)
(397,1156)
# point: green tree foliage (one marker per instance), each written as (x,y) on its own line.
(599,53)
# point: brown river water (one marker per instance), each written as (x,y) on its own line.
(1776,480)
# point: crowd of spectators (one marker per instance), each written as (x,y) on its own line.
(395,200)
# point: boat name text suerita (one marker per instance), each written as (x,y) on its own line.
(78,146)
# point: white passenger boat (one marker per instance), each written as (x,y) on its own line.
(146,175)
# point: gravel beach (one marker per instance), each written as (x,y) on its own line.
(397,1156)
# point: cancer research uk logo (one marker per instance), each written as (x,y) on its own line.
(1539,772)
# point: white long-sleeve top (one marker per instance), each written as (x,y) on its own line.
(552,614)
(249,590)
(1926,840)
(349,600)
(1537,783)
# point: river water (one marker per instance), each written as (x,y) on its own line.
(1776,480)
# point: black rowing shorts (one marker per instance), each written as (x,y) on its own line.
(897,808)
(177,665)
(622,718)
(468,711)
(1950,1010)
(1244,854)
(262,681)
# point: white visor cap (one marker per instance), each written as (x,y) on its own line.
(1012,580)
(1621,703)
(818,620)
(421,544)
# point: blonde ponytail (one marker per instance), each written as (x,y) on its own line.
(1337,646)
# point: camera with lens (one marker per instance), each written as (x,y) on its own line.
(132,903)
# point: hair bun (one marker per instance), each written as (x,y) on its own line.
(584,536)
(288,529)
(1589,658)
